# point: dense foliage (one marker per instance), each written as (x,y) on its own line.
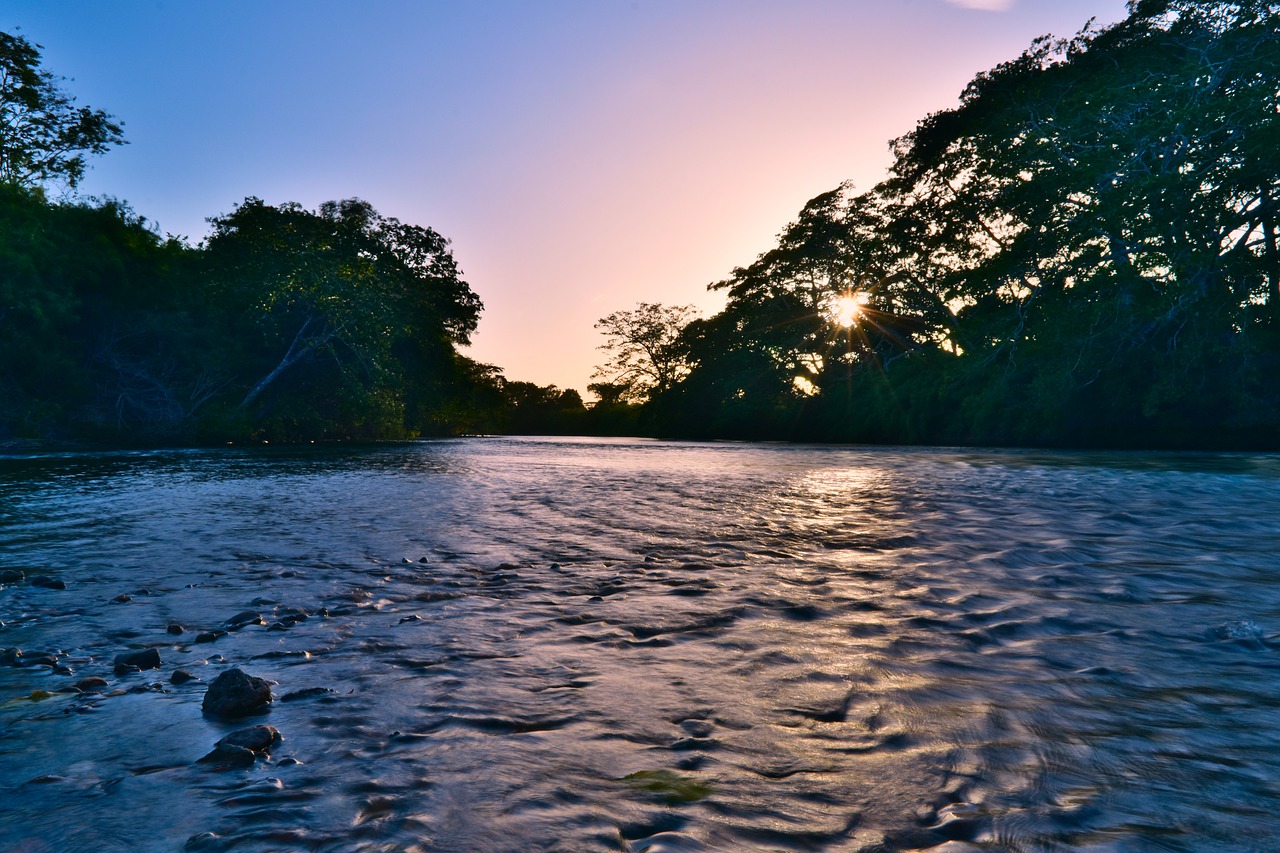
(1084,251)
(287,324)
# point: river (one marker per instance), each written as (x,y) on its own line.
(628,645)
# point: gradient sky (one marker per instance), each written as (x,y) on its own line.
(582,156)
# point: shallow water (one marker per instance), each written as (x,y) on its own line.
(644,646)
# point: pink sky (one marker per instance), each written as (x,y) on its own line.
(583,156)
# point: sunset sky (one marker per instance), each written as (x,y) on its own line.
(582,156)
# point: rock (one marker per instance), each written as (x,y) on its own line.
(181,676)
(260,739)
(48,583)
(243,618)
(308,693)
(12,576)
(277,626)
(93,682)
(175,628)
(203,841)
(10,657)
(412,617)
(230,756)
(209,636)
(1237,629)
(122,598)
(290,616)
(236,694)
(145,659)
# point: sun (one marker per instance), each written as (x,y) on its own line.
(848,308)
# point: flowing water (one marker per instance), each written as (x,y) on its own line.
(604,645)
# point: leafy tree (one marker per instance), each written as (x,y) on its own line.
(44,137)
(337,301)
(644,358)
(1084,250)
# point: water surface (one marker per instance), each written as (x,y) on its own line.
(596,645)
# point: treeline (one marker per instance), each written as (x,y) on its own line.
(286,324)
(1083,252)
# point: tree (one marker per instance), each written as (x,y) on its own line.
(1085,250)
(644,358)
(44,137)
(335,303)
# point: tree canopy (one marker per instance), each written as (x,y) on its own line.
(44,137)
(1083,251)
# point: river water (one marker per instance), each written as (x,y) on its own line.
(618,645)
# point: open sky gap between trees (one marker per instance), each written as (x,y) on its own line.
(1084,252)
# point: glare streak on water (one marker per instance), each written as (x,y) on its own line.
(646,646)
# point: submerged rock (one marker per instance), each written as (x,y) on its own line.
(243,618)
(175,628)
(234,693)
(93,682)
(1237,629)
(209,636)
(12,576)
(48,583)
(145,659)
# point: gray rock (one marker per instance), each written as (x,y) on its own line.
(236,694)
(209,636)
(144,659)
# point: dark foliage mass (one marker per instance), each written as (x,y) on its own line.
(1083,252)
(286,324)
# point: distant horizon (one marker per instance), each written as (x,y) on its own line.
(581,157)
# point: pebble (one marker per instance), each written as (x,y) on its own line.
(235,693)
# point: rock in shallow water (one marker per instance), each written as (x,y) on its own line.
(243,746)
(181,676)
(255,739)
(234,693)
(48,583)
(243,618)
(145,659)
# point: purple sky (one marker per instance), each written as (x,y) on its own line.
(582,156)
